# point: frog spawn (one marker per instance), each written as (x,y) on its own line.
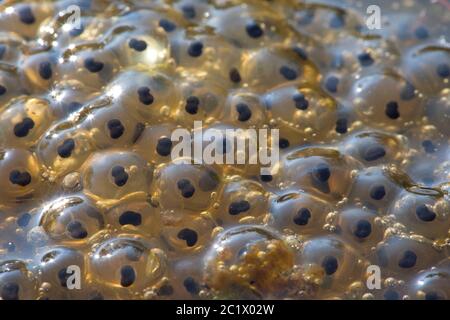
(88,179)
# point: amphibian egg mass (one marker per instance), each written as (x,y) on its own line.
(92,91)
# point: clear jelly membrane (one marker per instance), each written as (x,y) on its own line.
(88,186)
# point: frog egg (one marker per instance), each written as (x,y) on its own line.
(154,145)
(185,233)
(299,212)
(244,109)
(248,262)
(390,291)
(39,71)
(114,174)
(302,113)
(137,216)
(112,126)
(250,26)
(10,45)
(71,220)
(149,49)
(9,87)
(432,284)
(20,175)
(360,228)
(269,67)
(24,19)
(24,121)
(95,67)
(355,53)
(241,201)
(61,33)
(203,97)
(374,188)
(64,151)
(243,151)
(438,112)
(340,263)
(16,281)
(68,97)
(185,186)
(403,257)
(127,265)
(423,214)
(145,94)
(324,172)
(15,222)
(26,218)
(193,11)
(316,20)
(55,266)
(192,54)
(375,147)
(428,67)
(385,100)
(187,278)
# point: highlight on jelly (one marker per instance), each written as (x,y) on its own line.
(225,150)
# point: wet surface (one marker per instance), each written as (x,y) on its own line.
(87,178)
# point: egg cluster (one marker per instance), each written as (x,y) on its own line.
(88,186)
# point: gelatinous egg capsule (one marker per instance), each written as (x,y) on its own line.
(340,263)
(248,262)
(203,97)
(20,175)
(61,273)
(361,228)
(94,66)
(150,49)
(112,126)
(64,151)
(428,67)
(129,265)
(24,19)
(438,112)
(186,279)
(422,214)
(9,87)
(432,284)
(149,96)
(185,186)
(110,176)
(68,97)
(375,147)
(269,67)
(404,256)
(244,151)
(241,201)
(323,171)
(299,212)
(249,26)
(155,143)
(185,233)
(301,113)
(17,282)
(244,109)
(10,49)
(39,72)
(24,121)
(386,100)
(192,54)
(71,220)
(374,188)
(135,216)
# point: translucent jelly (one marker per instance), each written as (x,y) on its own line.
(93,205)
